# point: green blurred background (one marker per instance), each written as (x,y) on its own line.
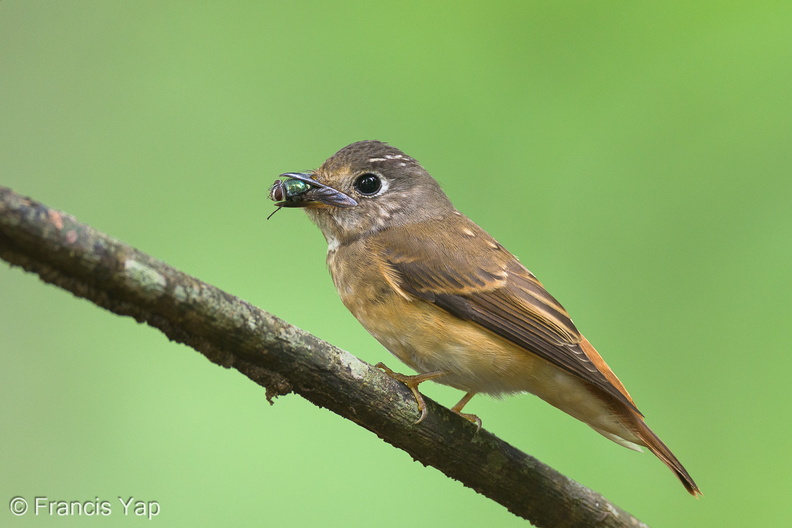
(635,157)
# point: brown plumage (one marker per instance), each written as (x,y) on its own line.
(448,300)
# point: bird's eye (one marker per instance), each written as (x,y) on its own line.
(368,184)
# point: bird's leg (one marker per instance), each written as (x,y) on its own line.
(472,417)
(412,382)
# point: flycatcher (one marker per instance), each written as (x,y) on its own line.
(448,300)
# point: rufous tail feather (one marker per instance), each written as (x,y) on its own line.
(662,452)
(634,418)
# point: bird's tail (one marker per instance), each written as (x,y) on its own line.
(656,446)
(633,420)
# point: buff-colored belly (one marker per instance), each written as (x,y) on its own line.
(428,339)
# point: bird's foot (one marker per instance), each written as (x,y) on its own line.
(471,417)
(412,383)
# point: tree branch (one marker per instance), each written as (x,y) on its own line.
(282,358)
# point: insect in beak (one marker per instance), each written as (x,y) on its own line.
(300,190)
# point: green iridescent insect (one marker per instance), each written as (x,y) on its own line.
(288,189)
(293,192)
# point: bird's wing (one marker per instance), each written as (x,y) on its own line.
(487,285)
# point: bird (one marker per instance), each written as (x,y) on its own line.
(449,301)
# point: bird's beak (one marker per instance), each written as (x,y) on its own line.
(299,189)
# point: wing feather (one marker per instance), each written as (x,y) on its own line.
(491,288)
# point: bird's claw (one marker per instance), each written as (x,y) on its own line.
(412,383)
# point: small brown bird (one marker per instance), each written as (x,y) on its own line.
(448,300)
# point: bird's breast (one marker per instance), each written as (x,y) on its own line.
(428,338)
(424,336)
